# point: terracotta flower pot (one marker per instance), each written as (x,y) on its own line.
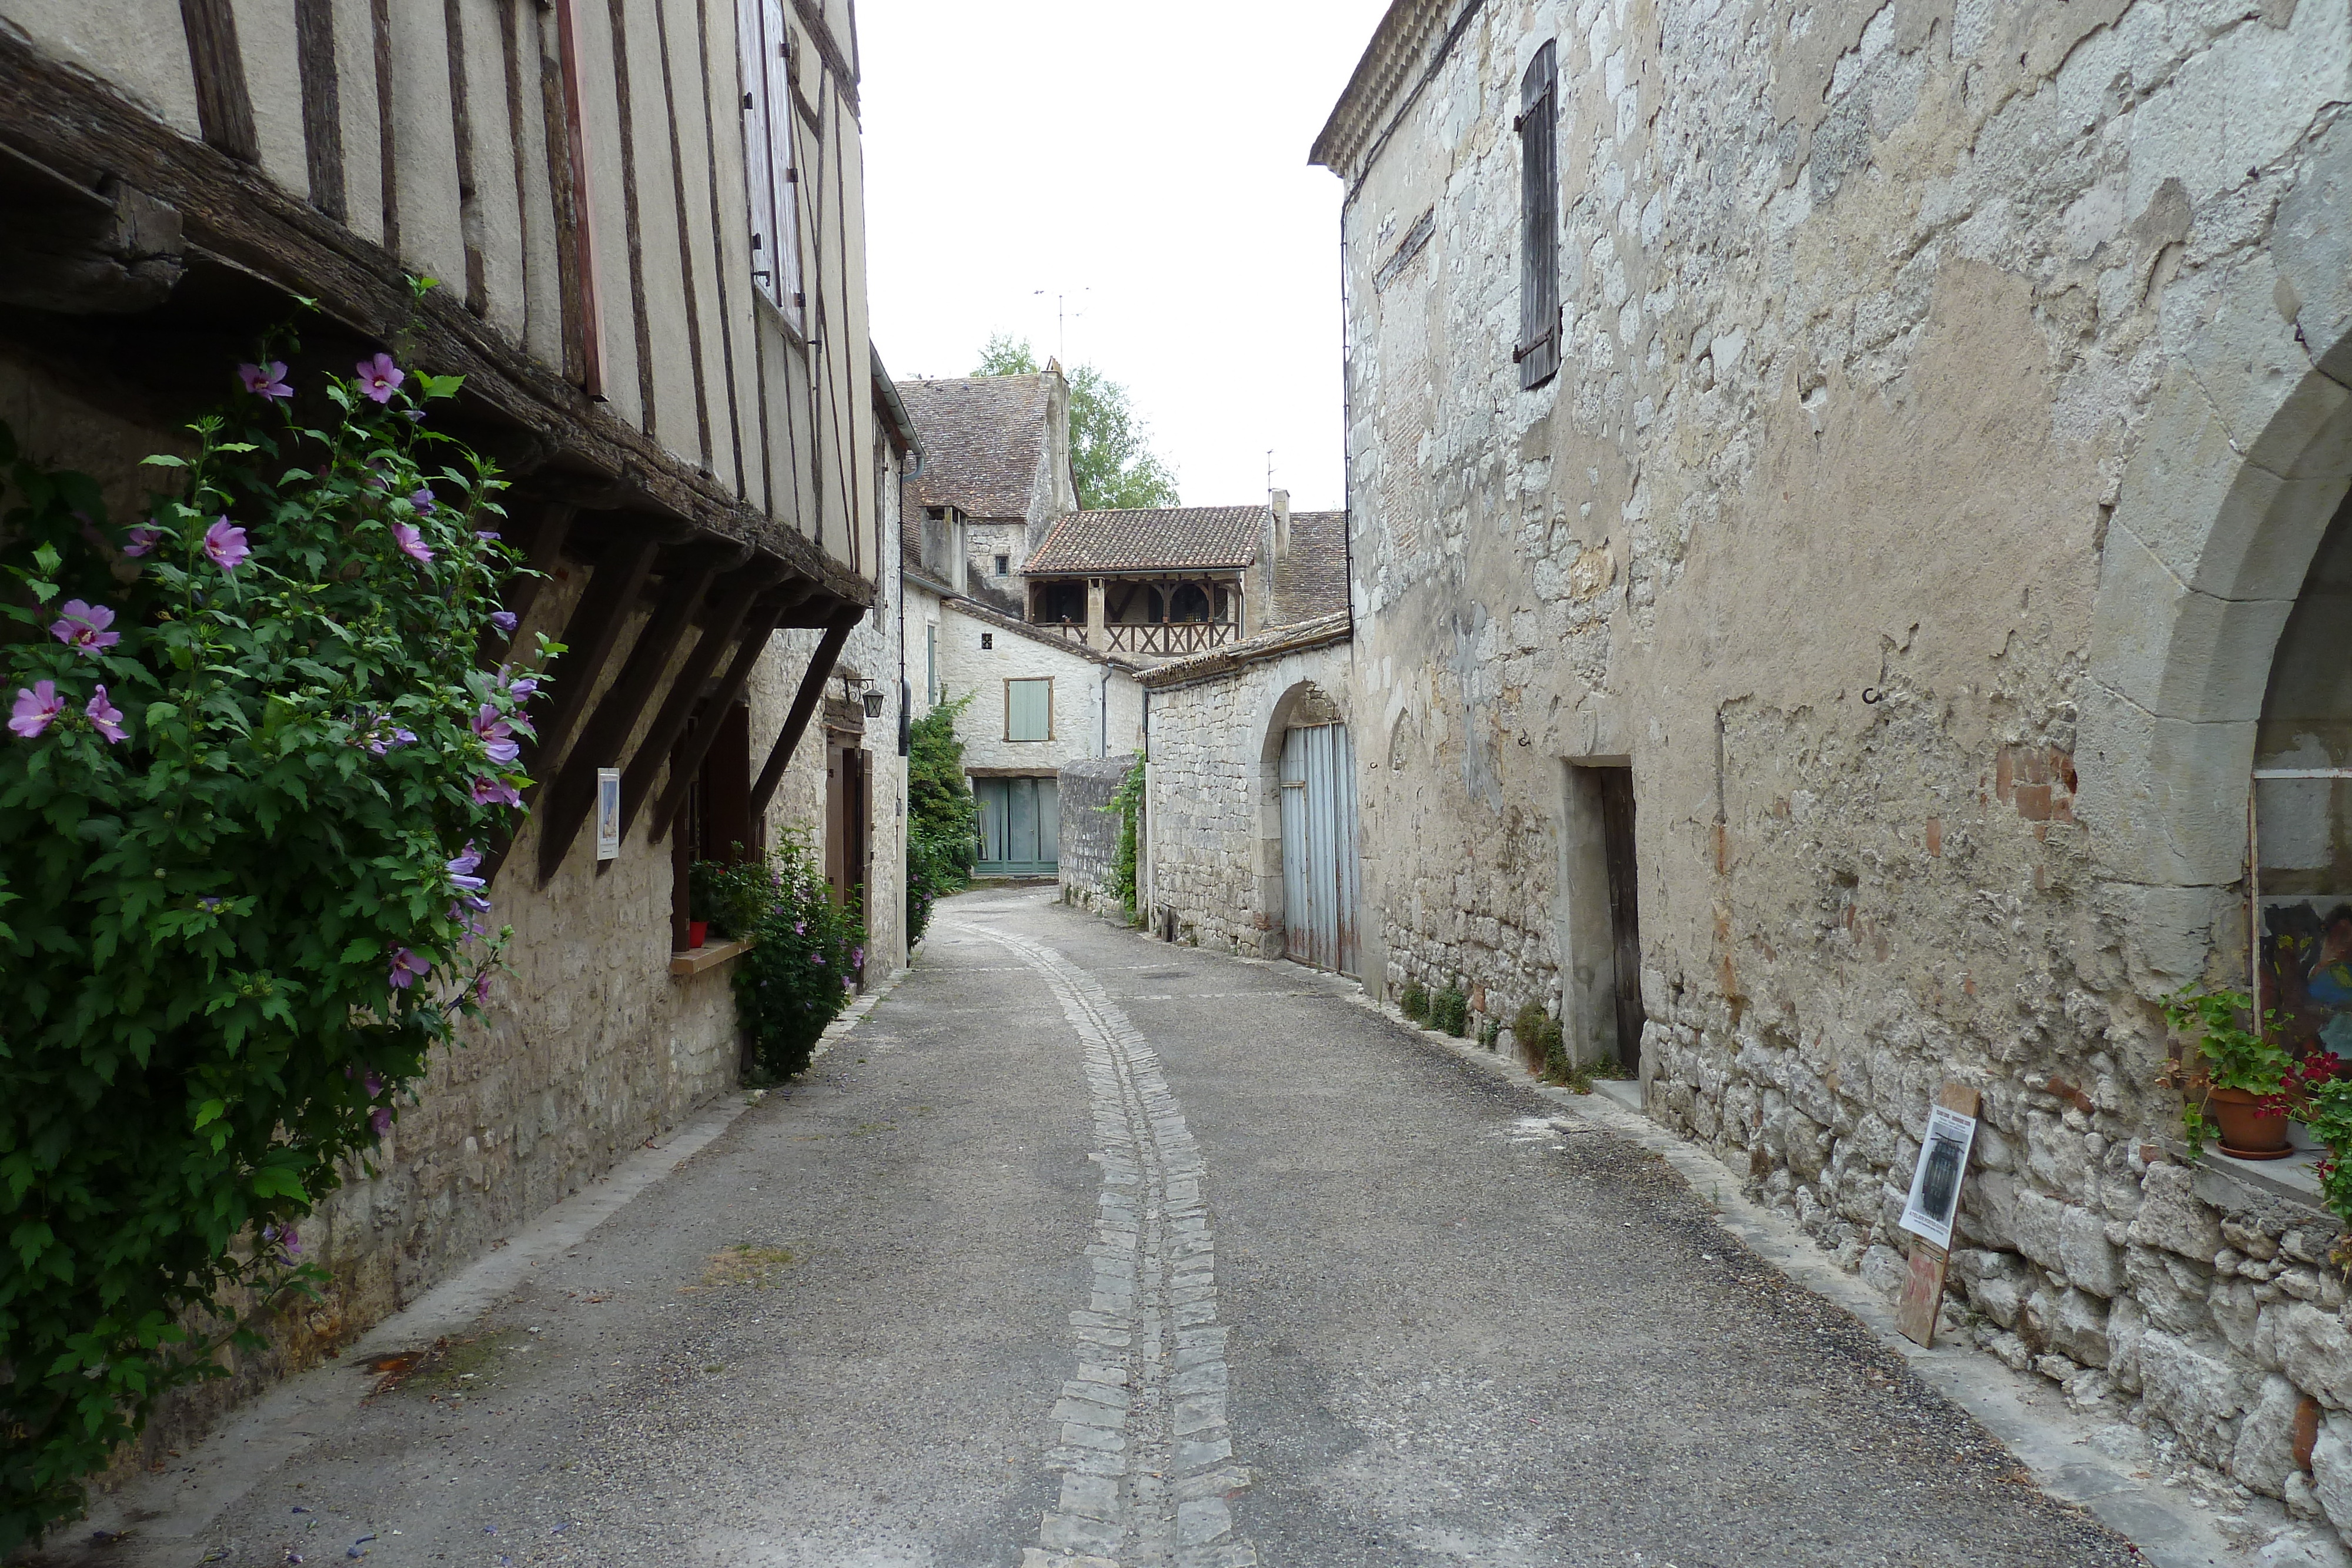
(2247,1131)
(696,930)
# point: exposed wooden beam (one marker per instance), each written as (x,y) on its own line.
(224,106)
(64,118)
(734,606)
(632,225)
(779,756)
(583,308)
(322,104)
(572,795)
(687,273)
(539,531)
(748,651)
(590,634)
(386,141)
(112,250)
(461,137)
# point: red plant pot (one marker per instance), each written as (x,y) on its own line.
(2252,1126)
(696,930)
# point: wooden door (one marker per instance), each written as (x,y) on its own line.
(1319,847)
(1624,908)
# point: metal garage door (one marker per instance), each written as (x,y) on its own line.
(1319,847)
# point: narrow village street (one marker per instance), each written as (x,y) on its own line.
(1079,1244)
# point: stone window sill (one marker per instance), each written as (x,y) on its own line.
(695,960)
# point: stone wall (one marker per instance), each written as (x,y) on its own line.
(1212,819)
(1090,830)
(1019,653)
(1951,404)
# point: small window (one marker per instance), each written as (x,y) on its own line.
(988,639)
(1538,353)
(1029,710)
(1004,564)
(931,665)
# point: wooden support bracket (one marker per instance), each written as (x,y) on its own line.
(572,794)
(820,670)
(733,606)
(757,630)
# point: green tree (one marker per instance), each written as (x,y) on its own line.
(1109,453)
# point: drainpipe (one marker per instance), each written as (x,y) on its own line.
(1104,706)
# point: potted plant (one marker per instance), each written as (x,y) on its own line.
(2238,1089)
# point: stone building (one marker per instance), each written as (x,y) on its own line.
(648,236)
(995,477)
(1842,502)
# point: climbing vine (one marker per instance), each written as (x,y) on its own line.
(252,766)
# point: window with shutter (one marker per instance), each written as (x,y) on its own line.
(1029,710)
(769,168)
(1538,352)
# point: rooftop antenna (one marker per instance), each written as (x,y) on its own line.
(1269,470)
(1062,322)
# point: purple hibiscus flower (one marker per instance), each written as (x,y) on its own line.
(374,1082)
(412,543)
(406,966)
(140,540)
(83,628)
(107,718)
(482,988)
(225,543)
(266,380)
(37,707)
(381,739)
(379,377)
(380,1120)
(488,536)
(504,621)
(422,498)
(496,734)
(461,877)
(491,791)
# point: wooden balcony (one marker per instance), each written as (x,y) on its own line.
(1170,639)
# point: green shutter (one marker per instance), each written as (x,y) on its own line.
(1028,710)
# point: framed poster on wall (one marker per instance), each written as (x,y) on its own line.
(608,814)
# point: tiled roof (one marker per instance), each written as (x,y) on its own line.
(1312,579)
(1175,539)
(984,443)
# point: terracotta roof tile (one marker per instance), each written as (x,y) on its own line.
(984,444)
(1174,539)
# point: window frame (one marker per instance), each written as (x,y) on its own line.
(1541,314)
(1012,681)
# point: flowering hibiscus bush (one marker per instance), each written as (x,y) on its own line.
(807,952)
(252,761)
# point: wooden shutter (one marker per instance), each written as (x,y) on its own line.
(1538,352)
(1028,710)
(769,174)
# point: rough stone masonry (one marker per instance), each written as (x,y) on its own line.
(1951,407)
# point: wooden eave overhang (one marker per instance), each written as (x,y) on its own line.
(1413,39)
(83,138)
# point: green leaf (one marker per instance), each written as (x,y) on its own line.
(211,1111)
(163,460)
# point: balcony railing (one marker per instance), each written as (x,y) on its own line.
(1171,639)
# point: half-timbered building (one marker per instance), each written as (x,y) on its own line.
(641,225)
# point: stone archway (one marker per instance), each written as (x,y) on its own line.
(1304,706)
(2244,458)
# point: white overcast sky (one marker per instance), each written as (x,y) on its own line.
(1148,164)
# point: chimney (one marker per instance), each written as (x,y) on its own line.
(1280,501)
